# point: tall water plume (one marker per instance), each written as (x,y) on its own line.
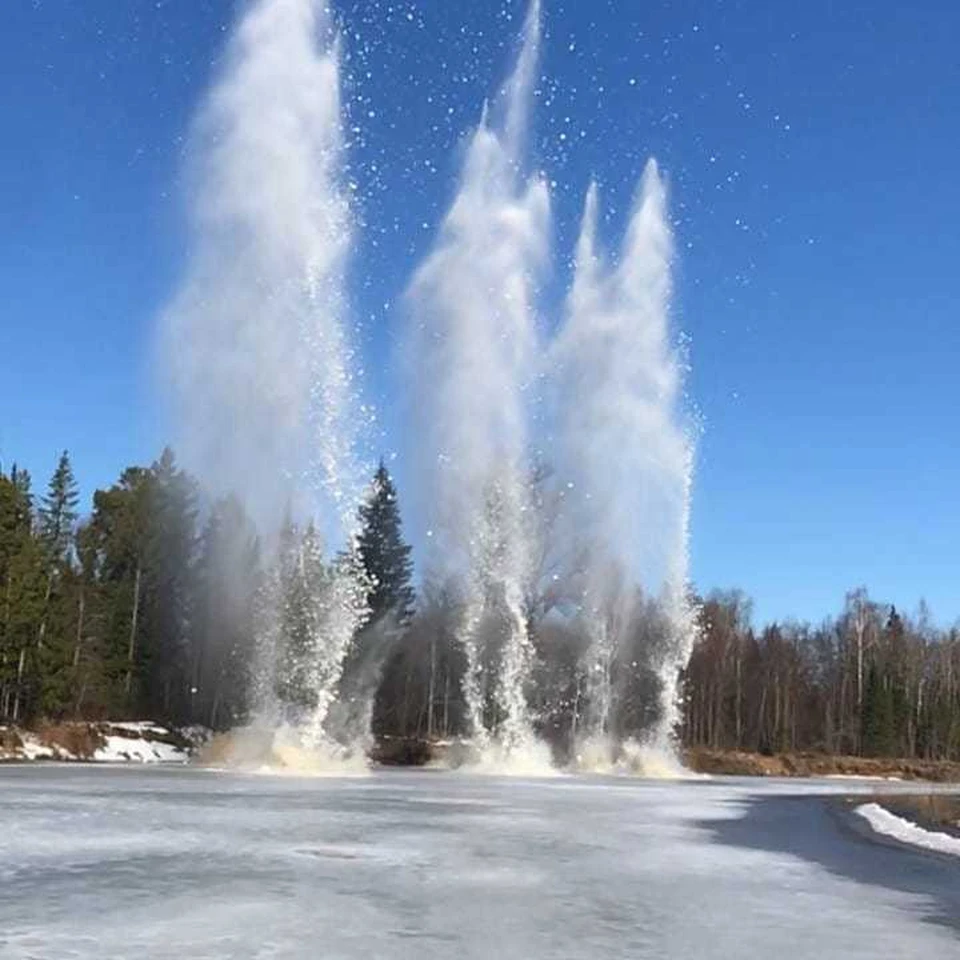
(472,355)
(624,450)
(255,338)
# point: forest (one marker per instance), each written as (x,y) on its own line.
(150,605)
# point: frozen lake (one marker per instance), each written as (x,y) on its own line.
(181,863)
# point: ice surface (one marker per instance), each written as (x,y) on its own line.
(171,862)
(890,825)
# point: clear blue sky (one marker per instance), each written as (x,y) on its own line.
(812,150)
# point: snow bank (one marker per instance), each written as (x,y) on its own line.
(32,749)
(139,727)
(890,825)
(141,741)
(117,749)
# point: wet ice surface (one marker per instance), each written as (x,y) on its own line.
(105,863)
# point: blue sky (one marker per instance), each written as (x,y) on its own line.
(812,156)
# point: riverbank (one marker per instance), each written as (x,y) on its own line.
(146,741)
(743,764)
(141,741)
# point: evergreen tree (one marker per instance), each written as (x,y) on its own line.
(878,715)
(120,532)
(171,545)
(21,601)
(20,479)
(58,511)
(384,555)
(56,520)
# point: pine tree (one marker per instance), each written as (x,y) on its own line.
(384,555)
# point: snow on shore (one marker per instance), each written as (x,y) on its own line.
(141,741)
(117,749)
(890,825)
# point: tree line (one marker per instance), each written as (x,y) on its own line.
(154,603)
(870,681)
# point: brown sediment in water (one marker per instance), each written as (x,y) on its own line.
(281,750)
(253,747)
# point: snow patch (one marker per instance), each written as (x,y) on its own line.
(141,741)
(139,726)
(139,750)
(33,749)
(890,825)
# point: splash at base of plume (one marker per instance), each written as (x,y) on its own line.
(656,760)
(491,757)
(284,750)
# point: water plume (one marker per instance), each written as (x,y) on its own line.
(472,354)
(624,450)
(258,346)
(255,340)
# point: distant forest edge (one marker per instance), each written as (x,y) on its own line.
(150,606)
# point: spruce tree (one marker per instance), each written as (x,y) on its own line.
(384,554)
(58,511)
(57,516)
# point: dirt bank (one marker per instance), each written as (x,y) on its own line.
(739,763)
(102,742)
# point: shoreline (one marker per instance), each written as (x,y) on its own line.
(808,765)
(147,741)
(97,742)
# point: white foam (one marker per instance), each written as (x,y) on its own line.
(650,761)
(529,758)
